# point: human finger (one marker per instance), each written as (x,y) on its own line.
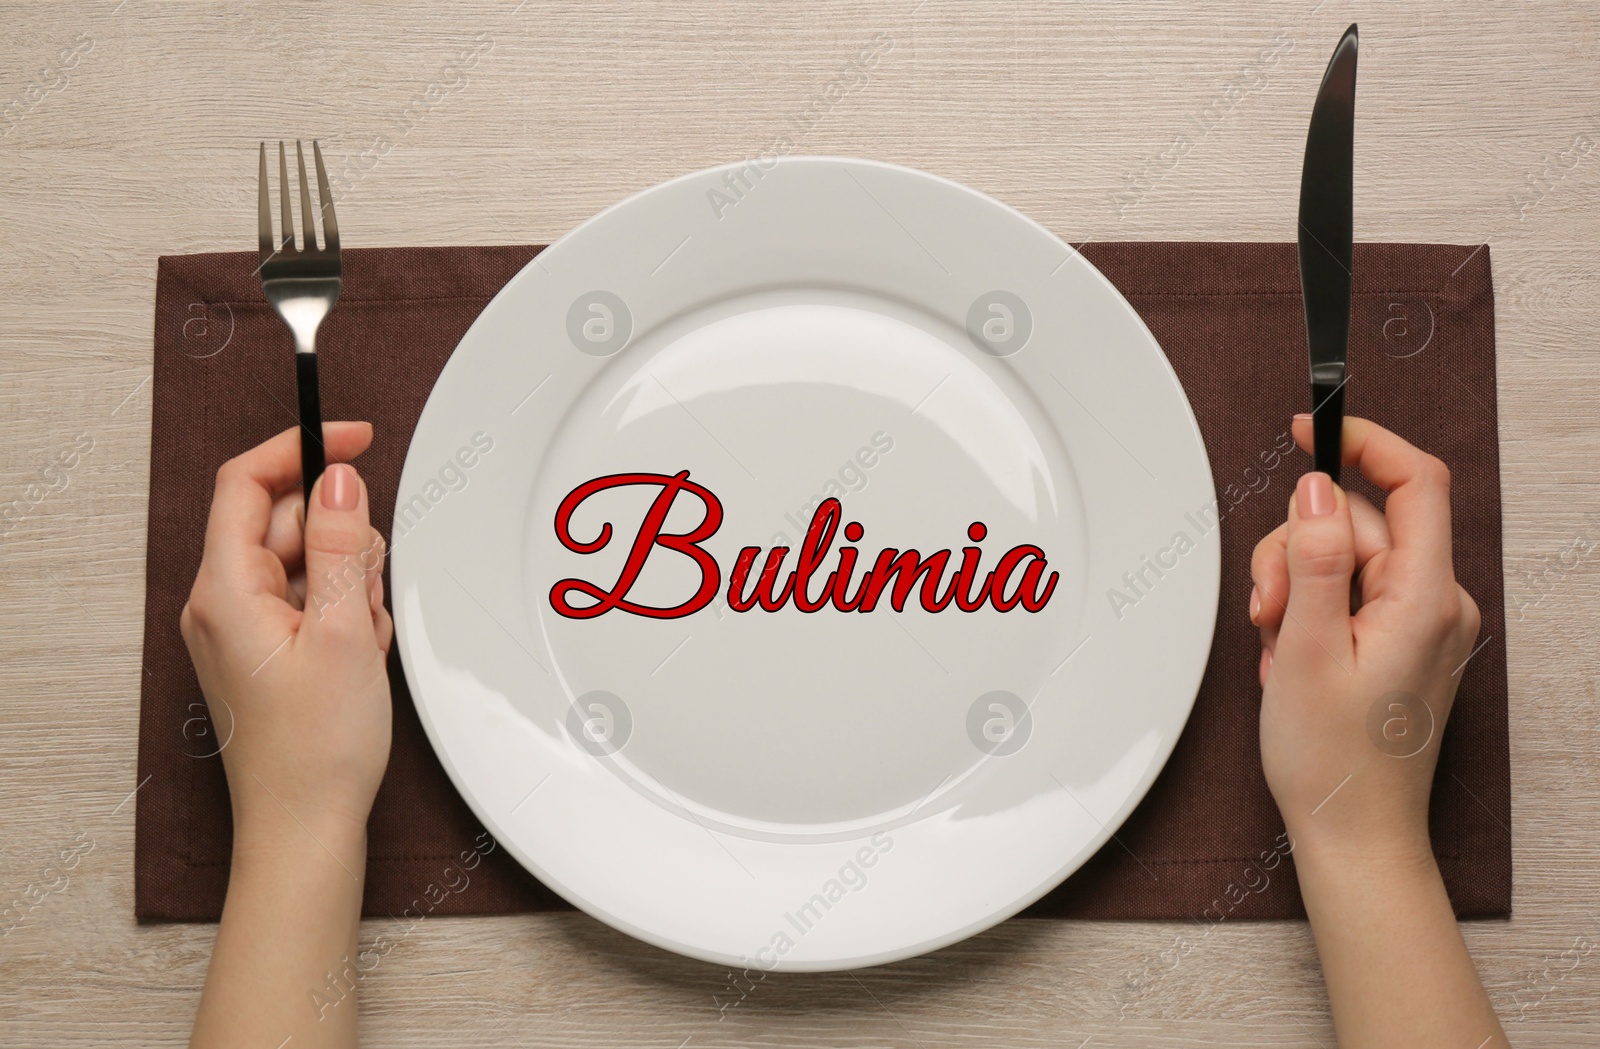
(1417,506)
(1321,560)
(339,558)
(1269,565)
(248,484)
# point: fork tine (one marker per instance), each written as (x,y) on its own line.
(330,222)
(264,216)
(305,199)
(283,196)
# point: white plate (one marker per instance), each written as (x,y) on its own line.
(821,789)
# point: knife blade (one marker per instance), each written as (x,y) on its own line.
(1326,234)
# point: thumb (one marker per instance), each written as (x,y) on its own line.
(341,551)
(1321,558)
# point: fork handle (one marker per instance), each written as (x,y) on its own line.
(312,458)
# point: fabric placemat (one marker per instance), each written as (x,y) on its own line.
(1204,844)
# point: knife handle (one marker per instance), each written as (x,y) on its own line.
(1327,427)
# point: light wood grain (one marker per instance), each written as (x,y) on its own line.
(1470,117)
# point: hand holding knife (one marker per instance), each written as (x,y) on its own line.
(1325,236)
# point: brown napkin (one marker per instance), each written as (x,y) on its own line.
(1204,844)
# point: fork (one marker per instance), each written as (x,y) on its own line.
(302,282)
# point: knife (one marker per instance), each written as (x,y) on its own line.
(1325,239)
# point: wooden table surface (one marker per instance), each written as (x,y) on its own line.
(129,131)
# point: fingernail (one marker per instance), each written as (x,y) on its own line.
(341,489)
(1303,415)
(1316,495)
(1255,603)
(377,596)
(1266,664)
